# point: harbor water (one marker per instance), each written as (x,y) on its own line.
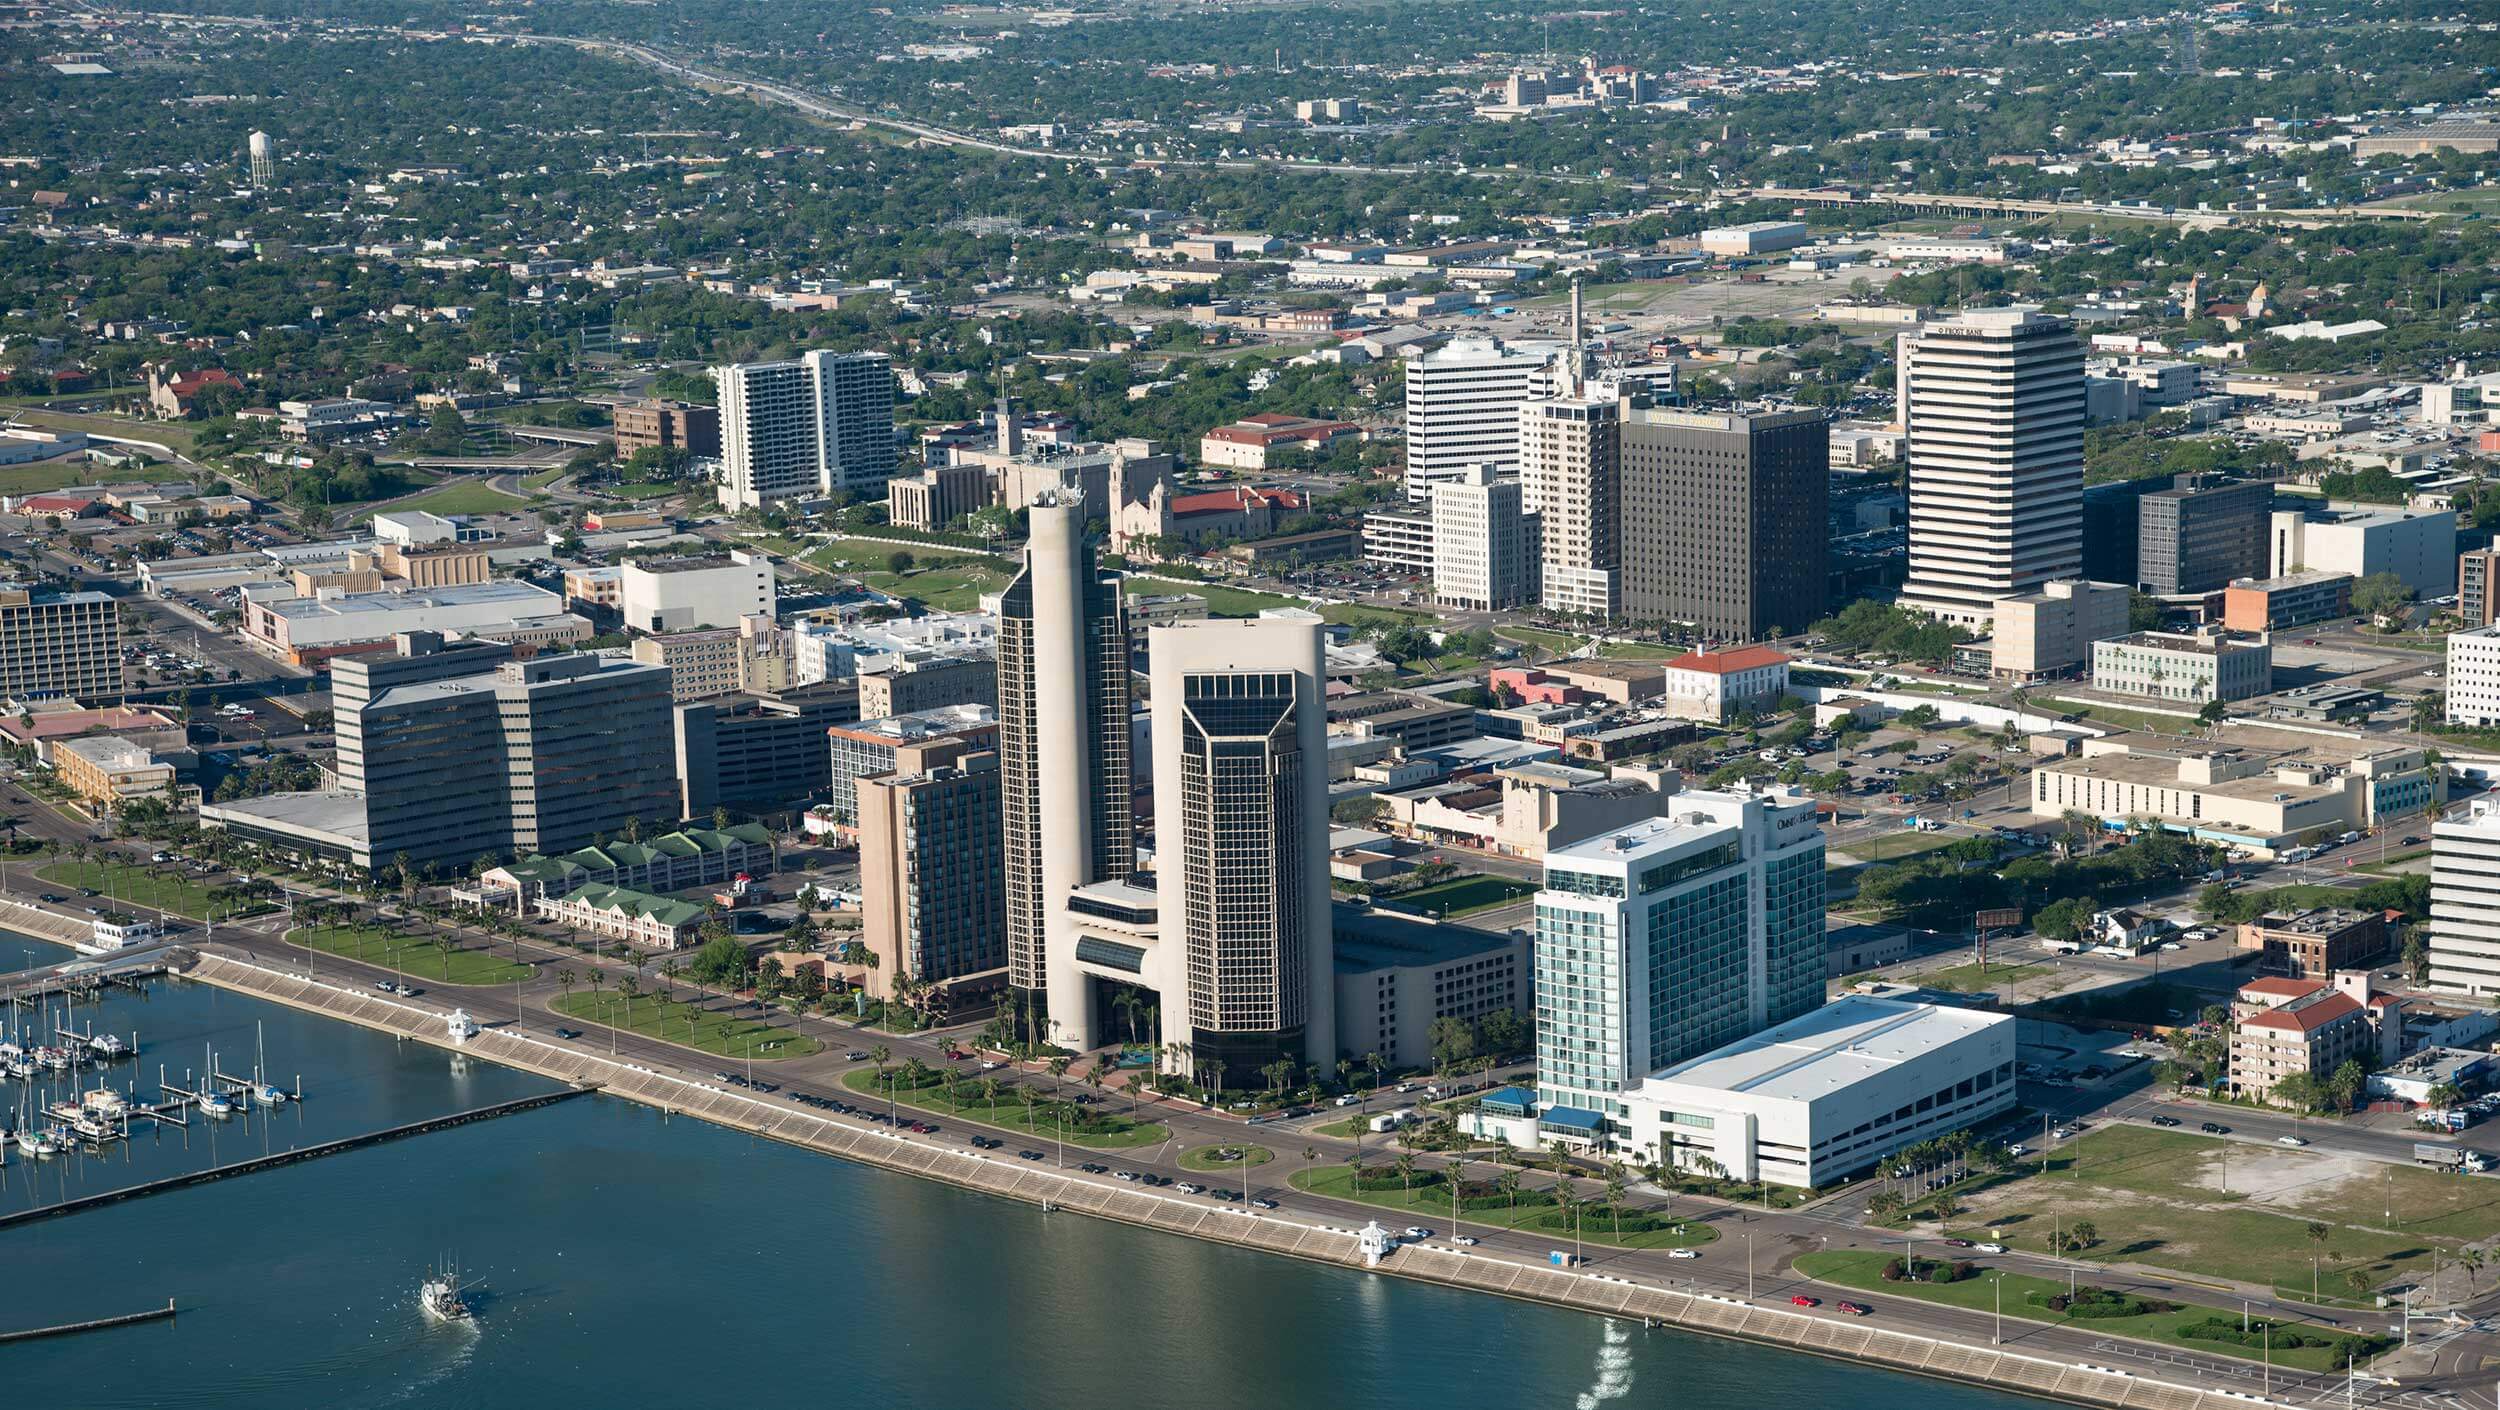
(624,1258)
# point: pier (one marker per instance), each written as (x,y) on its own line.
(278,1158)
(92,1324)
(1601,1294)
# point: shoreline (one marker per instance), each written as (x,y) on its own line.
(1709,1314)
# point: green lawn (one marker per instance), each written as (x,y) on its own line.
(2483,199)
(2027,1297)
(127,884)
(1222,601)
(1559,642)
(677,1021)
(945,579)
(1460,895)
(645,489)
(1204,1157)
(1967,978)
(1899,846)
(409,953)
(1357,614)
(167,433)
(1534,1211)
(2208,1207)
(1116,1131)
(458,497)
(2129,719)
(544,478)
(1640,651)
(46,475)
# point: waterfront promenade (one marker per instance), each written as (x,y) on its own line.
(2052,1362)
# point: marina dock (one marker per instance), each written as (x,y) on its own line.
(294,1157)
(92,1324)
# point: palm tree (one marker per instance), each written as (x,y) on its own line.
(1506,1183)
(1406,1173)
(2471,1260)
(629,986)
(881,1055)
(1614,1196)
(2085,1233)
(1309,1154)
(2318,1234)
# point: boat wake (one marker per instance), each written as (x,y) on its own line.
(1614,1370)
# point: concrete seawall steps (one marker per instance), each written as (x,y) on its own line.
(1018,1180)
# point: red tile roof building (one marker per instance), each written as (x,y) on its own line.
(1259,442)
(2286,1028)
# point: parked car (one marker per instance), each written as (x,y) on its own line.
(1856,1309)
(2214,1128)
(1801,1300)
(1683,1253)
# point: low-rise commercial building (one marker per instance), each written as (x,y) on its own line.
(680,594)
(937,496)
(2417,545)
(666,425)
(2047,633)
(1266,440)
(313,631)
(907,683)
(1829,1093)
(1716,685)
(1398,976)
(109,771)
(1756,237)
(635,917)
(2282,603)
(675,861)
(43,731)
(2193,667)
(2265,799)
(2314,942)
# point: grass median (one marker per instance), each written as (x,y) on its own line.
(1426,1196)
(130,885)
(2302,1345)
(1001,1104)
(1225,1157)
(688,1025)
(418,956)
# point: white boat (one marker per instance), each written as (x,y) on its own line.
(42,1145)
(439,1296)
(215,1103)
(94,1128)
(109,1044)
(104,1101)
(55,1058)
(268,1095)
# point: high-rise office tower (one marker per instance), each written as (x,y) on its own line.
(260,157)
(2465,900)
(930,877)
(2193,538)
(822,424)
(1063,744)
(59,645)
(1667,938)
(1993,402)
(1245,959)
(1462,408)
(1724,519)
(1485,549)
(1570,461)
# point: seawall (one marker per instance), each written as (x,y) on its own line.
(1706,1313)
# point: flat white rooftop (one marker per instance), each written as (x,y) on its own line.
(1831,1049)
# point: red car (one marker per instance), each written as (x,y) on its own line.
(1856,1309)
(1802,1300)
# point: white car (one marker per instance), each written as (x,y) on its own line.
(1988,1248)
(1418,1231)
(2290,1141)
(1682,1253)
(1186,1188)
(1463,1240)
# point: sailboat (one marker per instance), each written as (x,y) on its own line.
(264,1092)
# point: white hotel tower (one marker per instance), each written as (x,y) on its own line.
(1993,402)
